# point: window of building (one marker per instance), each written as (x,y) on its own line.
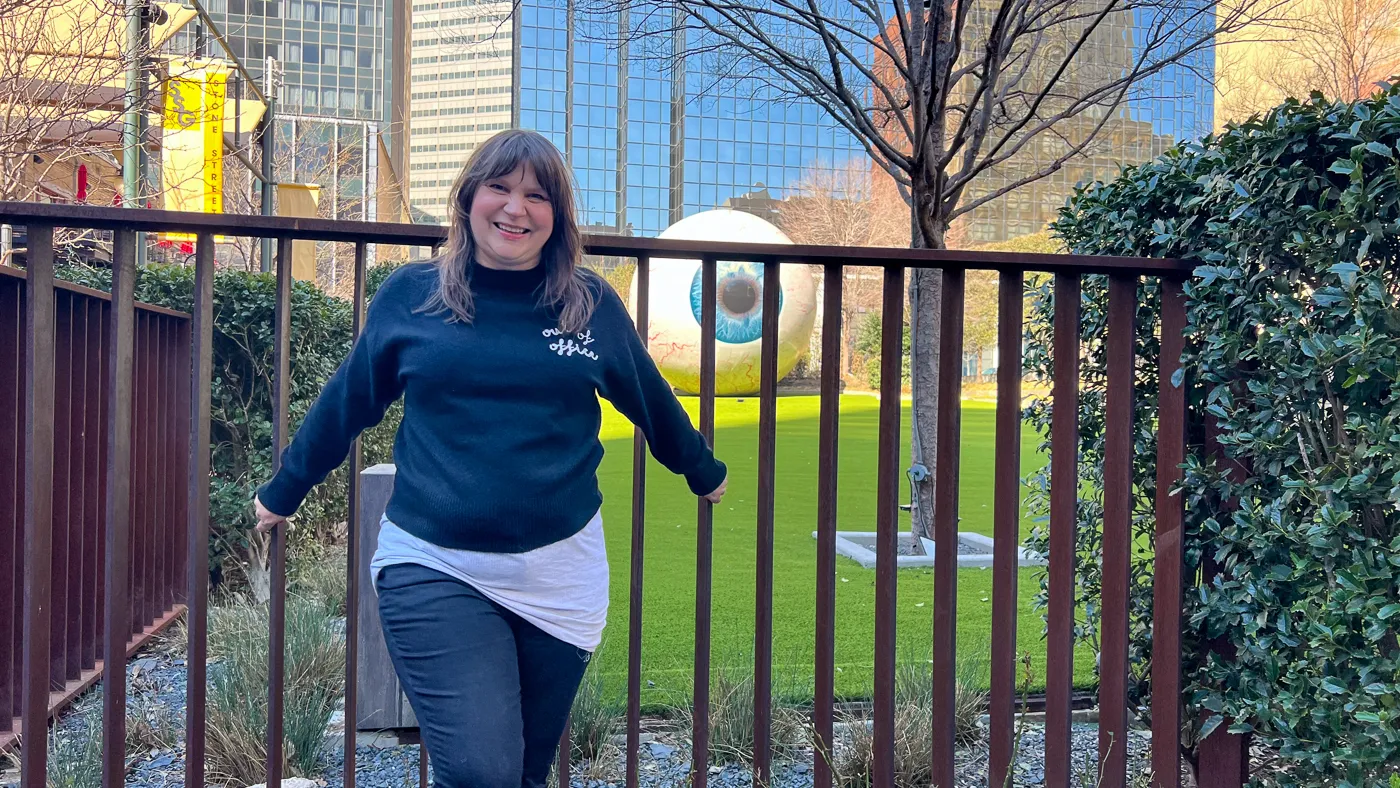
(313,11)
(311,53)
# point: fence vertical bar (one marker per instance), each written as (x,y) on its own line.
(16,546)
(181,383)
(704,537)
(187,400)
(945,524)
(763,581)
(172,417)
(829,422)
(11,473)
(139,419)
(38,505)
(160,372)
(1117,532)
(1223,756)
(117,613)
(197,525)
(642,299)
(887,522)
(149,350)
(79,561)
(422,766)
(97,539)
(1064,491)
(160,470)
(1006,515)
(1167,577)
(61,407)
(352,541)
(562,760)
(277,605)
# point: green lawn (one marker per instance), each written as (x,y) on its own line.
(669,606)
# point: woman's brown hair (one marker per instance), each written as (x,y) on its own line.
(565,287)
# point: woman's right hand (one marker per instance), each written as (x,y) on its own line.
(267,520)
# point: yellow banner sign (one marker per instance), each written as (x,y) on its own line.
(192,142)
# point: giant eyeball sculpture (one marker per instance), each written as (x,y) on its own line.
(675,307)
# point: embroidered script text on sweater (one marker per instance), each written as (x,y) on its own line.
(498,450)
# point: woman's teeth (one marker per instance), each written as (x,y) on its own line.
(511,229)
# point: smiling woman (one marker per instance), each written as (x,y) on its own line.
(490,567)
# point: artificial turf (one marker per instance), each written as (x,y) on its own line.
(669,595)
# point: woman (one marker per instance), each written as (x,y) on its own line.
(491,570)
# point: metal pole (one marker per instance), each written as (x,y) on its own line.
(271,82)
(131,140)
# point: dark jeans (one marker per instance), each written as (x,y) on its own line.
(491,691)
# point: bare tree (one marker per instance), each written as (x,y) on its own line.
(944,93)
(61,94)
(847,205)
(1341,48)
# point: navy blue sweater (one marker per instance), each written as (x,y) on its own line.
(498,450)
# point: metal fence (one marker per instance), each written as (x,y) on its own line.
(70,406)
(1221,763)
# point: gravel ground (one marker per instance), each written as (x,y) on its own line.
(664,764)
(156,687)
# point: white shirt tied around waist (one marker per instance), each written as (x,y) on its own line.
(562,588)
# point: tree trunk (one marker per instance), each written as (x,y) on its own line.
(925,302)
(257,569)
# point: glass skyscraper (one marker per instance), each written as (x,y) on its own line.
(332,52)
(649,144)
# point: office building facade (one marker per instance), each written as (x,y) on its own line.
(649,144)
(1173,105)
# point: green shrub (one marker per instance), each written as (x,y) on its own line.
(867,349)
(1292,354)
(241,399)
(317,572)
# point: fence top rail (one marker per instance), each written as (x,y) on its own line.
(145,220)
(8,271)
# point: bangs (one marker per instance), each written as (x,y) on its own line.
(513,151)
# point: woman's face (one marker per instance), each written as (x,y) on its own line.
(511,219)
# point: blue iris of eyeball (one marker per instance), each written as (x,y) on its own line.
(738,302)
(675,307)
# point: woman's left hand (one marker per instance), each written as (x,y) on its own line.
(718,493)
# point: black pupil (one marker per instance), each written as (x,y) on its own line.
(739,296)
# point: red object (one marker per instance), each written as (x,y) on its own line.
(186,247)
(82,183)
